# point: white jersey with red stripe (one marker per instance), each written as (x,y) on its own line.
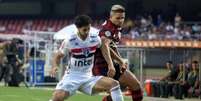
(81,53)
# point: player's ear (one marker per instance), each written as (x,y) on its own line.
(110,17)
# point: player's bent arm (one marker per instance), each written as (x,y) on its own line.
(106,54)
(55,63)
(106,50)
(56,59)
(116,57)
(115,49)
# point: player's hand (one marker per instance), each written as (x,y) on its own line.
(53,71)
(111,71)
(123,67)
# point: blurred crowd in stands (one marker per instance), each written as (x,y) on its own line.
(17,26)
(142,27)
(158,29)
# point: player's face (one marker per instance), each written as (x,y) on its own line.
(168,65)
(84,31)
(180,67)
(118,18)
(194,66)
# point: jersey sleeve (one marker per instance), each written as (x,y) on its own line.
(99,42)
(64,47)
(105,33)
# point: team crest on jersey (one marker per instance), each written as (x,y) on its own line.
(86,51)
(107,33)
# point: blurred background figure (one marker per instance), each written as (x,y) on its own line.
(13,63)
(192,83)
(166,81)
(178,84)
(4,71)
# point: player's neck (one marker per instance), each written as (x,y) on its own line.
(112,22)
(82,37)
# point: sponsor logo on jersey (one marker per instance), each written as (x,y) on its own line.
(81,63)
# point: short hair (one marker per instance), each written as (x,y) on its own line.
(170,62)
(195,62)
(117,9)
(82,20)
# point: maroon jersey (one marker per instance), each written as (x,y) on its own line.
(112,32)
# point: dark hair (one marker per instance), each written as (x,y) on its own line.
(82,20)
(195,62)
(170,62)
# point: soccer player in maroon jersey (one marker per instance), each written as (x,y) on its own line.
(109,62)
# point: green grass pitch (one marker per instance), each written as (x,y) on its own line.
(26,94)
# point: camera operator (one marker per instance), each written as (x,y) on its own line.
(13,63)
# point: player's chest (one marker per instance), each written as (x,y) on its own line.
(83,47)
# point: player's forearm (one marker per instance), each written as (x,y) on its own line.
(56,59)
(115,49)
(115,56)
(106,54)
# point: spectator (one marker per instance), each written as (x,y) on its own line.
(196,29)
(178,89)
(165,82)
(177,20)
(134,33)
(150,19)
(192,83)
(159,20)
(169,27)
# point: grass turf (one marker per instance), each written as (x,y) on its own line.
(25,94)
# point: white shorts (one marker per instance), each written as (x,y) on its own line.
(73,82)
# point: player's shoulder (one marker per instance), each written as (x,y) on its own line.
(93,35)
(94,38)
(105,32)
(72,38)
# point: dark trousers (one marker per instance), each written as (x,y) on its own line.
(156,89)
(178,91)
(4,73)
(165,89)
(10,73)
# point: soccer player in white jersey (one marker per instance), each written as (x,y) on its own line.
(81,47)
